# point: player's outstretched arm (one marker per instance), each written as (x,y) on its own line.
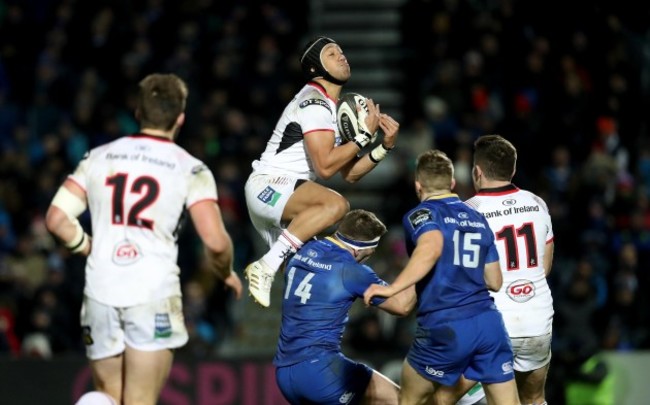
(400,304)
(424,257)
(209,225)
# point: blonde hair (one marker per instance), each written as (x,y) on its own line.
(434,170)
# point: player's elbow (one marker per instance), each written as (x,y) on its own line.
(494,287)
(493,277)
(324,173)
(403,303)
(217,246)
(399,309)
(494,283)
(403,310)
(409,304)
(54,218)
(350,178)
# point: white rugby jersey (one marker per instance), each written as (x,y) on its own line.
(522,227)
(310,110)
(137,188)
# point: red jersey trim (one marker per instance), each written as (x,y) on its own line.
(504,190)
(321,89)
(203,200)
(77,183)
(317,130)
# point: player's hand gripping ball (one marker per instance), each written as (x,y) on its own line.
(352,121)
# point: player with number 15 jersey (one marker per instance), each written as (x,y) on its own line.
(453,261)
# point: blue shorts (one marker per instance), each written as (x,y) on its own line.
(328,379)
(478,347)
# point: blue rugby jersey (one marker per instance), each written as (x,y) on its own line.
(322,281)
(455,287)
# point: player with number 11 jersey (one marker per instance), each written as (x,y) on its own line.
(522,228)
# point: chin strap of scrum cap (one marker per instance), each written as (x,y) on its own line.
(312,63)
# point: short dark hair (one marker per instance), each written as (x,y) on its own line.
(161,99)
(361,225)
(496,156)
(434,170)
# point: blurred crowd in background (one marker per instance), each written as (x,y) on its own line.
(569,87)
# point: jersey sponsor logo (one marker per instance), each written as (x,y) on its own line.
(463,215)
(126,253)
(493,214)
(509,202)
(199,168)
(507,367)
(464,222)
(511,209)
(419,217)
(115,156)
(526,208)
(308,260)
(521,290)
(315,101)
(156,161)
(269,196)
(163,326)
(319,265)
(433,372)
(346,397)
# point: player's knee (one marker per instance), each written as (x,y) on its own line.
(337,208)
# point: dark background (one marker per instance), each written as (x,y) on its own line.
(567,82)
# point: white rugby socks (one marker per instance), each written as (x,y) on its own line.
(286,245)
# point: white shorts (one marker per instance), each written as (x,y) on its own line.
(475,394)
(266,197)
(531,353)
(148,327)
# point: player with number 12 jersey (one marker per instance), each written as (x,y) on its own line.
(522,227)
(142,177)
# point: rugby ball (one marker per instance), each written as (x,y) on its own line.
(348,117)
